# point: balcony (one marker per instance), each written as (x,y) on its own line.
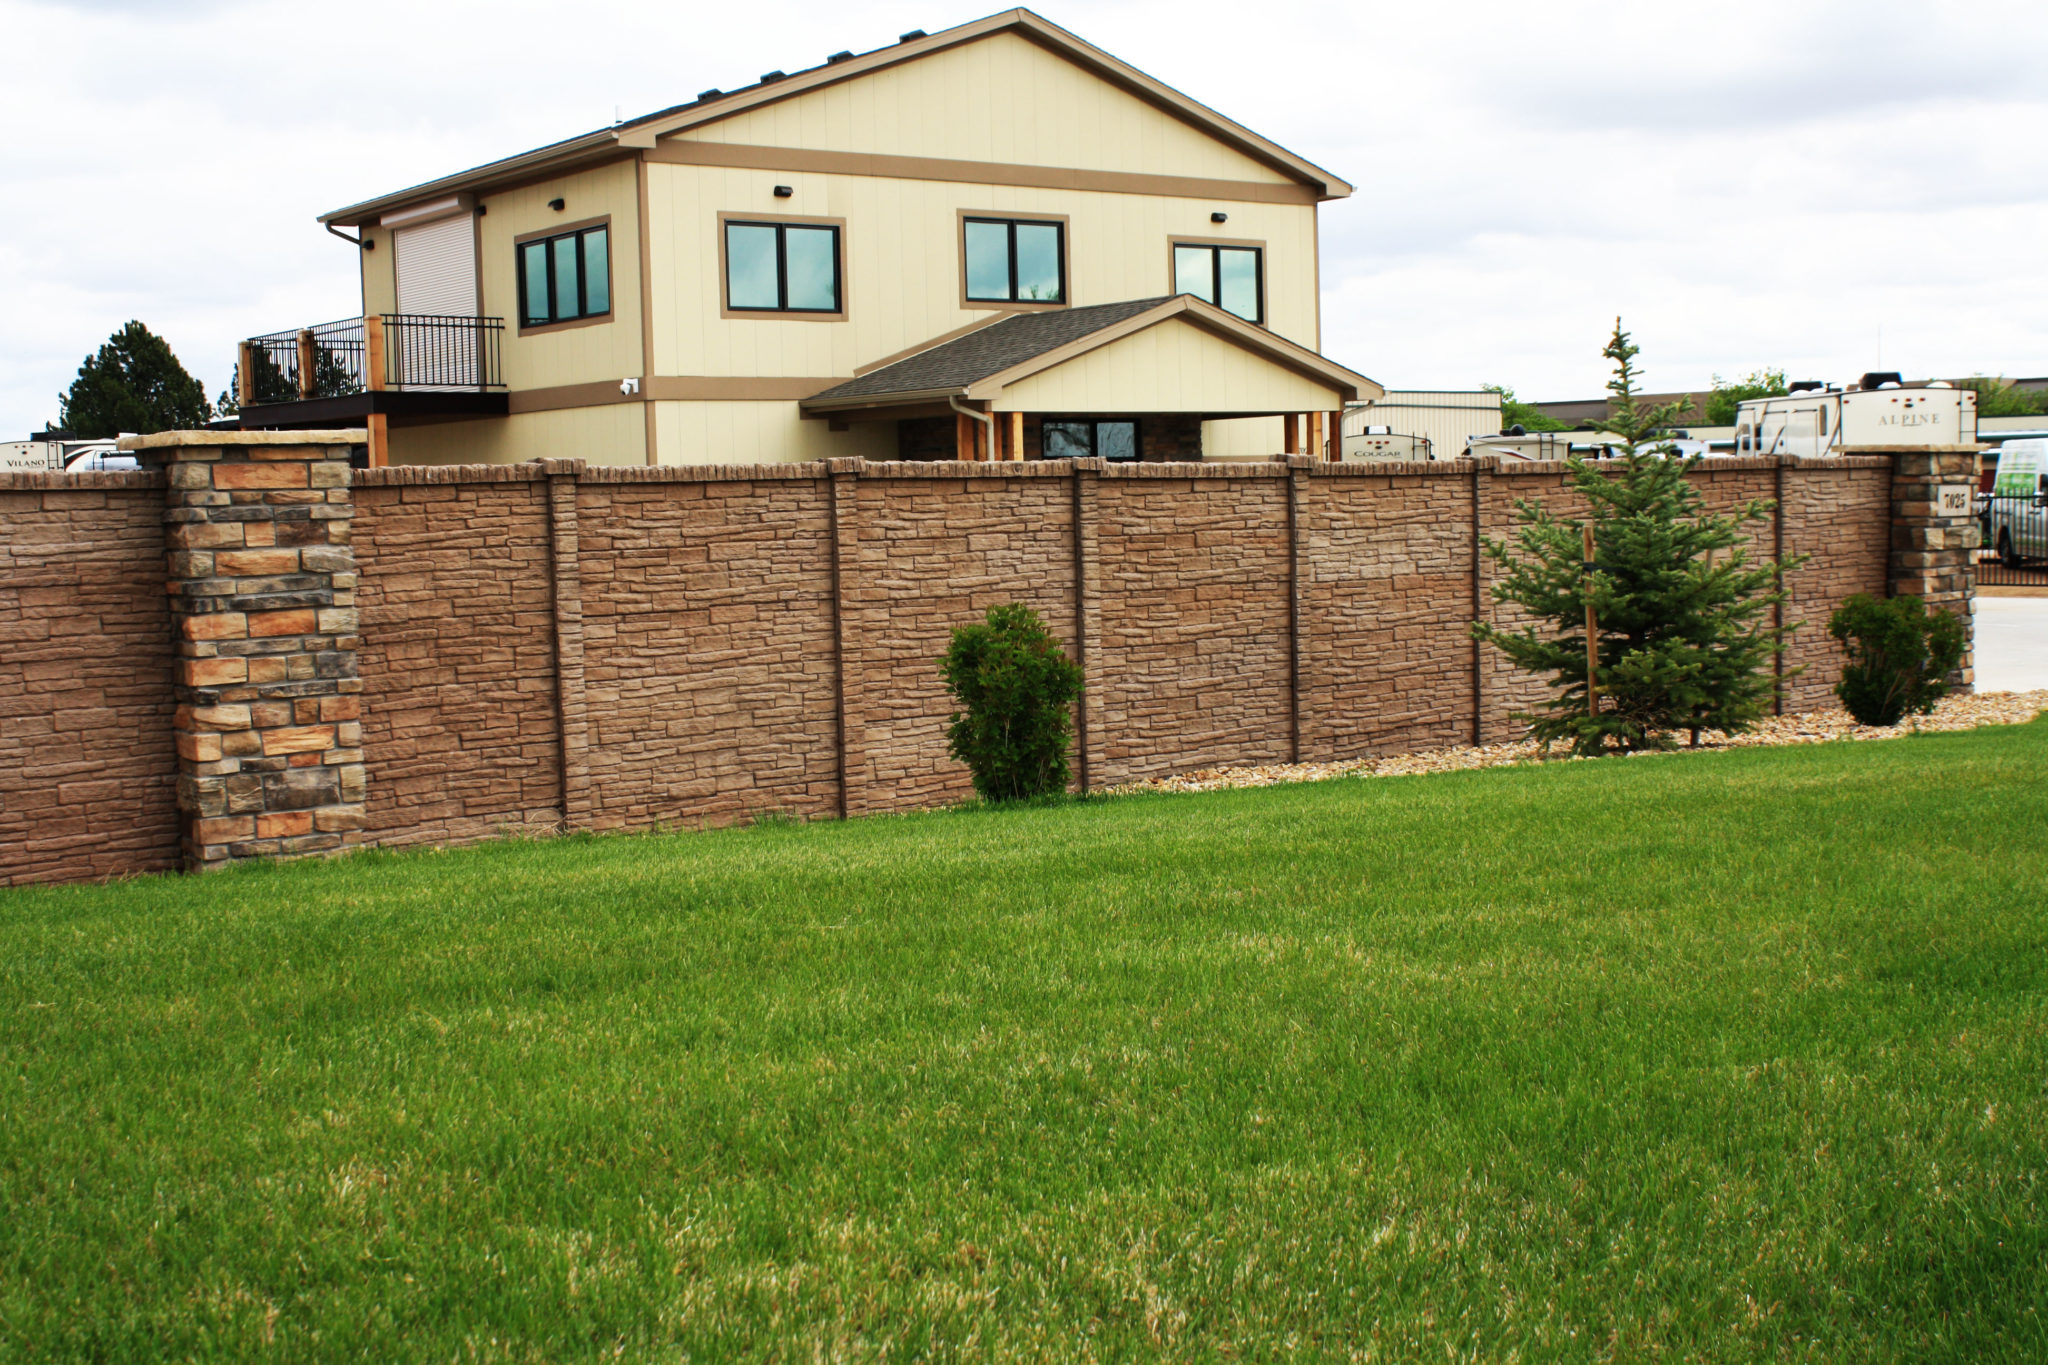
(387,368)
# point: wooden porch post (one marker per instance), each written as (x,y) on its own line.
(373,382)
(963,437)
(1016,435)
(1337,435)
(1291,434)
(307,356)
(1315,436)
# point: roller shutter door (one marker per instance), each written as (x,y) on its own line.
(437,267)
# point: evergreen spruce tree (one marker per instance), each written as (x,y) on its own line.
(1685,635)
(133,383)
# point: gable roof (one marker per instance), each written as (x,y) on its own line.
(635,135)
(987,360)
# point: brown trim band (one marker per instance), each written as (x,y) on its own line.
(747,157)
(671,388)
(717,388)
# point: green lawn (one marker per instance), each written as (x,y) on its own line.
(1735,1056)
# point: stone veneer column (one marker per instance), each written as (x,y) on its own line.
(1932,551)
(262,585)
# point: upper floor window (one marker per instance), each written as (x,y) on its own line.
(1233,277)
(782,267)
(565,276)
(1010,260)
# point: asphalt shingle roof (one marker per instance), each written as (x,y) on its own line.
(991,350)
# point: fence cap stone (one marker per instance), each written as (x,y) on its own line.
(162,440)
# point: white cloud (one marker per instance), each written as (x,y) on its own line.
(1748,183)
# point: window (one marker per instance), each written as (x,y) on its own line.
(1014,261)
(564,277)
(1068,438)
(781,268)
(1231,277)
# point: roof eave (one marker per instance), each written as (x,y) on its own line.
(557,156)
(897,399)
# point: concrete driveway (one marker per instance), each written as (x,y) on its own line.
(2012,644)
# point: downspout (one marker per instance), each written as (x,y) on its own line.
(988,424)
(356,242)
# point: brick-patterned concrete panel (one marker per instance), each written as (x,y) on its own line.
(1386,601)
(708,650)
(1193,662)
(931,554)
(1838,513)
(88,764)
(459,723)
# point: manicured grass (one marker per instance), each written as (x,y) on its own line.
(1725,1057)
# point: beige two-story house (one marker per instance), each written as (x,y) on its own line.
(994,242)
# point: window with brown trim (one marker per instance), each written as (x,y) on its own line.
(1231,277)
(1014,260)
(565,277)
(773,267)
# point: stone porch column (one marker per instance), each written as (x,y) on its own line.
(262,589)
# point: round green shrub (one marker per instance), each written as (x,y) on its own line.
(1900,656)
(1016,690)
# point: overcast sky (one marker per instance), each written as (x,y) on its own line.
(1817,186)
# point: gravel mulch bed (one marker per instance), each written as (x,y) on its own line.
(1811,727)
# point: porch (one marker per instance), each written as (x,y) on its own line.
(375,372)
(1132,381)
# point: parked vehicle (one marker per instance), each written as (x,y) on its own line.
(100,456)
(2015,515)
(1880,410)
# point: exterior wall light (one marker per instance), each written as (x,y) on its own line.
(1219,217)
(558,204)
(783,191)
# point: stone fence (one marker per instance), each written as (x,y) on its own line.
(249,651)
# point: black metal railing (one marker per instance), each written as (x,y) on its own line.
(422,351)
(2012,539)
(338,352)
(443,351)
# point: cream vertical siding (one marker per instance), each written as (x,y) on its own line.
(902,268)
(380,278)
(1244,438)
(612,433)
(760,433)
(574,354)
(1172,366)
(1003,99)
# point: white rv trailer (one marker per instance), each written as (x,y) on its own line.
(1384,443)
(1880,411)
(1423,424)
(1546,445)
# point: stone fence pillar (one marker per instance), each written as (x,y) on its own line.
(1934,533)
(262,587)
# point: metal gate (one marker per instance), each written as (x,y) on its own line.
(2013,539)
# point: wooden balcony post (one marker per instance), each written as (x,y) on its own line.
(1290,443)
(373,353)
(307,358)
(245,375)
